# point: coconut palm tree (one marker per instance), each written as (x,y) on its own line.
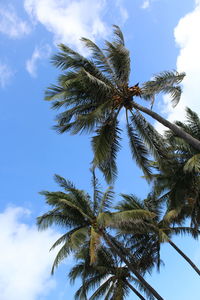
(178,180)
(94,91)
(87,220)
(108,277)
(148,235)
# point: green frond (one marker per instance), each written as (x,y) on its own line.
(106,200)
(100,292)
(79,236)
(139,151)
(174,92)
(47,220)
(185,230)
(98,84)
(101,61)
(130,217)
(153,140)
(97,193)
(110,291)
(119,59)
(164,82)
(71,60)
(76,272)
(89,284)
(61,255)
(193,164)
(76,207)
(65,238)
(80,199)
(163,237)
(119,38)
(129,202)
(105,147)
(142,288)
(63,183)
(194,122)
(55,92)
(171,215)
(104,219)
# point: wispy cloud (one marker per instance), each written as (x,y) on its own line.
(69,20)
(188,40)
(25,260)
(39,53)
(145,4)
(123,11)
(5,74)
(11,24)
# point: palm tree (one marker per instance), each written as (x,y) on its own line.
(178,180)
(108,277)
(93,91)
(87,220)
(147,236)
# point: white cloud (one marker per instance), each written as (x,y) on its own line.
(5,74)
(145,4)
(11,24)
(69,20)
(123,11)
(25,260)
(38,54)
(188,39)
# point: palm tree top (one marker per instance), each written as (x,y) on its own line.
(93,91)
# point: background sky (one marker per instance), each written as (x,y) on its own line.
(161,35)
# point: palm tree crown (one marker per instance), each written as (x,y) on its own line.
(178,180)
(108,276)
(146,236)
(87,219)
(93,91)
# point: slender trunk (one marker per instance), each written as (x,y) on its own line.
(132,268)
(134,290)
(177,130)
(185,257)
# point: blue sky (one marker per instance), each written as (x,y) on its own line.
(160,36)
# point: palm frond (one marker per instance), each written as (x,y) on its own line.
(64,238)
(101,61)
(139,151)
(165,82)
(61,255)
(105,147)
(118,35)
(102,289)
(154,141)
(193,164)
(106,200)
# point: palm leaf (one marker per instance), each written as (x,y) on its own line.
(105,147)
(154,141)
(165,82)
(139,151)
(193,164)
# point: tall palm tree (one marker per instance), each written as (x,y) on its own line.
(147,235)
(108,277)
(93,91)
(87,220)
(177,179)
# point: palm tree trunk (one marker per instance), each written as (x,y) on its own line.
(134,290)
(109,240)
(185,257)
(177,130)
